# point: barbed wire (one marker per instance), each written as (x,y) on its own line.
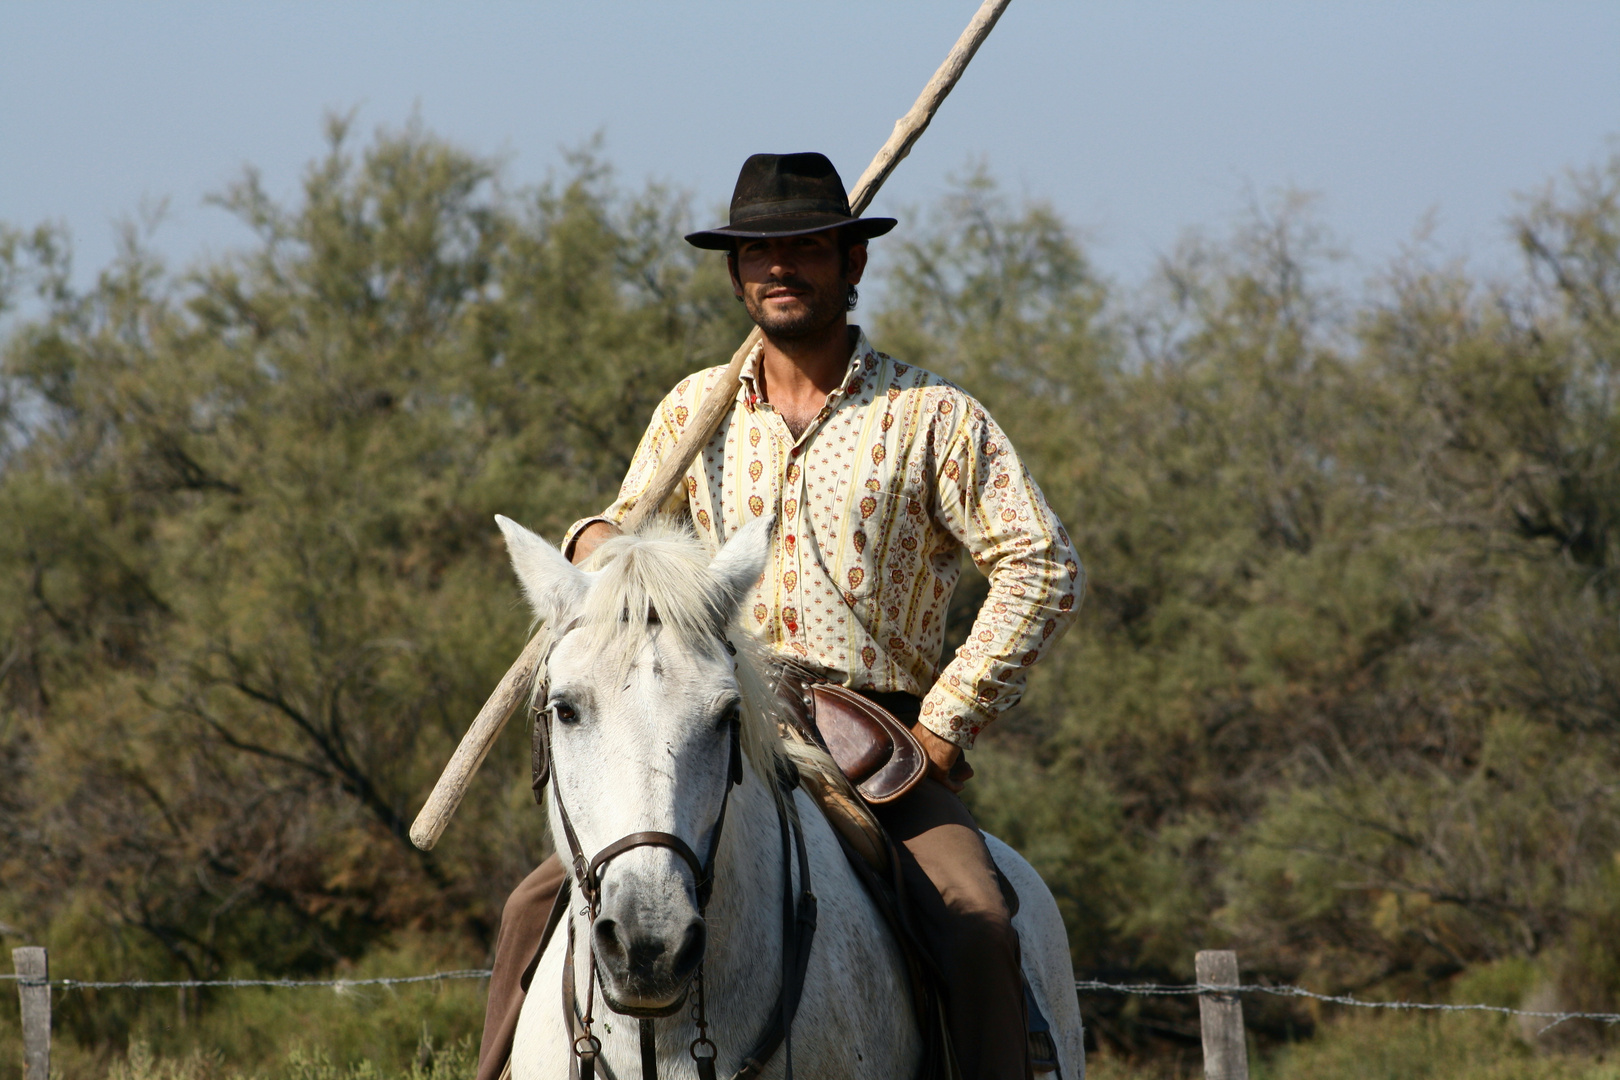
(285,984)
(1169,990)
(1082,985)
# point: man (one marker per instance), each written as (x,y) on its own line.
(880,474)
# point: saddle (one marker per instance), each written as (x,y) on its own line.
(878,759)
(876,752)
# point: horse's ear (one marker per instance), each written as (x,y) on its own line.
(552,584)
(739,564)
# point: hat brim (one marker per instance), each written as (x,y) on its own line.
(782,225)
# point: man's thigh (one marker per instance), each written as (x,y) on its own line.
(936,828)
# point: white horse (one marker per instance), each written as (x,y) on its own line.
(645,698)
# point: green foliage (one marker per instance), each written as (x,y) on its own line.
(251,587)
(1344,690)
(1343,696)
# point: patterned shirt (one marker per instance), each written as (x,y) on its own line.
(875,501)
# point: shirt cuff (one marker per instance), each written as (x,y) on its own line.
(953,717)
(571,537)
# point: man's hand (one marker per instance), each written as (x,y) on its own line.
(945,761)
(592,538)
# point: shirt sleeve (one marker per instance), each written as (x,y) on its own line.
(663,430)
(991,504)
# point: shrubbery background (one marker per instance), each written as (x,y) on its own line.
(1344,696)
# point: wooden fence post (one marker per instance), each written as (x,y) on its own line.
(1220,1016)
(34,992)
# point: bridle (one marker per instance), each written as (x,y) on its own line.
(798,918)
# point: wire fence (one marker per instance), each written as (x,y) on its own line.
(1089,986)
(1181,989)
(282,984)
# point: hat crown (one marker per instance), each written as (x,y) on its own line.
(773,184)
(781,195)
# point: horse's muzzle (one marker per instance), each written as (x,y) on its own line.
(644,970)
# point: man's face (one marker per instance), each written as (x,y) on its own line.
(796,286)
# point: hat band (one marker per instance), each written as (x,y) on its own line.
(756,211)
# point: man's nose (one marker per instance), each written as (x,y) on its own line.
(783,260)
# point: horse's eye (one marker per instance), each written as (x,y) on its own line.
(564,712)
(731,714)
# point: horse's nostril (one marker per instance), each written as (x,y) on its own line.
(608,946)
(691,954)
(644,957)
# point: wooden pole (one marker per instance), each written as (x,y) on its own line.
(1220,1016)
(519,679)
(34,993)
(475,745)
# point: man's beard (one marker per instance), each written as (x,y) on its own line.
(821,312)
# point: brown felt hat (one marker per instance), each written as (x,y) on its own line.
(787,195)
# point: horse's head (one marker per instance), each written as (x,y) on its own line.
(647,699)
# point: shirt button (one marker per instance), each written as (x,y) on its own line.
(793,452)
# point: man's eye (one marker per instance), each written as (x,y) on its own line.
(564,712)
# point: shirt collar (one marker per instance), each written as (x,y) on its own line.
(858,362)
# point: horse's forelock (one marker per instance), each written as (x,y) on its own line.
(660,578)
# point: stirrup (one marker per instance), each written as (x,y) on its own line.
(1043,1056)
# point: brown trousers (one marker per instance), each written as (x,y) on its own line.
(960,911)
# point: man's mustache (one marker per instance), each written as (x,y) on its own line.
(792,282)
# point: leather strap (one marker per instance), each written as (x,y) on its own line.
(649,1050)
(651,838)
(799,921)
(588,872)
(799,915)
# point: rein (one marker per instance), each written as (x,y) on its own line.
(798,923)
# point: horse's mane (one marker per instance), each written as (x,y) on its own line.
(657,581)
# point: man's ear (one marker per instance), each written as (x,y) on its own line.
(731,268)
(552,584)
(855,262)
(738,566)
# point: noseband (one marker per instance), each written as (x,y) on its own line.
(798,922)
(588,873)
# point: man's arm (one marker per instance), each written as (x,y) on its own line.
(989,502)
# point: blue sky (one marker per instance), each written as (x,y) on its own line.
(1135,120)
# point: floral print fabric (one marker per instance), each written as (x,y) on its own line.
(875,503)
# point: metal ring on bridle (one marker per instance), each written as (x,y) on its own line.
(798,930)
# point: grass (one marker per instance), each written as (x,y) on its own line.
(423,1031)
(430,1031)
(455,1062)
(1394,1047)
